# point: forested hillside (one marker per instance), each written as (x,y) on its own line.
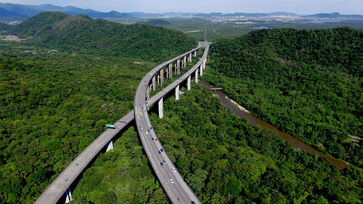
(82,34)
(59,88)
(4,27)
(222,158)
(306,83)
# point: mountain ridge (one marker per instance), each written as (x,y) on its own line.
(84,34)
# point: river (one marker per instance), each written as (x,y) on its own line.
(244,114)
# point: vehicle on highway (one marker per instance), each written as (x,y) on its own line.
(161,150)
(156,139)
(164,161)
(146,133)
(110,126)
(141,115)
(152,138)
(151,128)
(174,170)
(171,180)
(161,163)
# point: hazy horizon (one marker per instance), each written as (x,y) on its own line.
(204,6)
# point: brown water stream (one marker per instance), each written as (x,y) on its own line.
(284,136)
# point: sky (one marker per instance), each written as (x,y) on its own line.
(207,6)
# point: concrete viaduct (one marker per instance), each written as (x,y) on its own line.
(170,179)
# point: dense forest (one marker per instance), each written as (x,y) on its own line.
(4,27)
(55,30)
(222,158)
(306,83)
(53,103)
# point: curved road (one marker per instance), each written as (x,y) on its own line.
(57,189)
(170,179)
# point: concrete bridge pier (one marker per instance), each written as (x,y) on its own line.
(158,79)
(195,53)
(154,83)
(162,76)
(109,146)
(196,76)
(190,57)
(161,108)
(177,93)
(189,83)
(170,71)
(201,69)
(148,93)
(184,61)
(68,196)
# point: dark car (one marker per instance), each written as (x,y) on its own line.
(152,138)
(161,150)
(161,163)
(164,161)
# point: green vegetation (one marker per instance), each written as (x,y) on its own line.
(156,22)
(194,27)
(53,103)
(5,27)
(120,176)
(306,83)
(226,160)
(81,34)
(52,107)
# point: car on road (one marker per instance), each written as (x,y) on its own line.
(146,133)
(141,115)
(171,180)
(152,138)
(161,163)
(174,170)
(164,161)
(161,150)
(156,139)
(110,126)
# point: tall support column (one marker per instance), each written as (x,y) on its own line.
(109,146)
(189,83)
(178,66)
(154,83)
(161,108)
(195,53)
(170,71)
(162,76)
(196,76)
(68,196)
(201,69)
(204,63)
(177,93)
(184,61)
(148,93)
(190,57)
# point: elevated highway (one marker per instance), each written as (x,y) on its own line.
(60,188)
(170,179)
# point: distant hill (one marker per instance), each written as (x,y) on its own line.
(335,15)
(5,27)
(84,34)
(158,22)
(27,11)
